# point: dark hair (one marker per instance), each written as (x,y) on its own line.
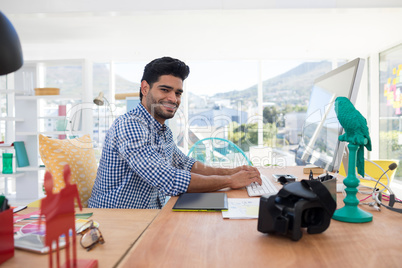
(164,66)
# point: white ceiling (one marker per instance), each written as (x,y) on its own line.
(271,29)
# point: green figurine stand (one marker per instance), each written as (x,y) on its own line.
(351,212)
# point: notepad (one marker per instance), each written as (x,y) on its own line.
(201,202)
(242,208)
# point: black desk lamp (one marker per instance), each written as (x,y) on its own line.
(10,47)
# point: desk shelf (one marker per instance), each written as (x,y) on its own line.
(30,168)
(11,91)
(8,118)
(12,175)
(6,147)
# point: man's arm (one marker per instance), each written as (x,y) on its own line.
(205,178)
(200,168)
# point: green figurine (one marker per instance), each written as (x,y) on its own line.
(356,130)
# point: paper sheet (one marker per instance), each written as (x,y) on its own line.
(242,208)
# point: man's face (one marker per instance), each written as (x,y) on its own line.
(163,99)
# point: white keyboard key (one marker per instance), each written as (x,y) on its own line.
(267,187)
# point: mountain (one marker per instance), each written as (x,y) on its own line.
(70,81)
(292,87)
(101,83)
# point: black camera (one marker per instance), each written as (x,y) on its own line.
(306,203)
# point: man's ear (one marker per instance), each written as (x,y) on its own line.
(144,88)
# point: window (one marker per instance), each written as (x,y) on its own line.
(101,114)
(61,116)
(127,76)
(391,106)
(66,76)
(222,100)
(114,80)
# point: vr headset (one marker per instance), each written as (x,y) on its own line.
(303,204)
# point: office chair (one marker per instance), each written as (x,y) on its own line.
(373,171)
(218,152)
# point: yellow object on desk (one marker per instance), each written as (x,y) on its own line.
(375,172)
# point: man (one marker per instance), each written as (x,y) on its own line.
(141,165)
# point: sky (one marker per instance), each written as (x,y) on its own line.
(211,77)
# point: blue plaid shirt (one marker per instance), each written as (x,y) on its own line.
(140,164)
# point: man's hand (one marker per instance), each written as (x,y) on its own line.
(244,176)
(205,178)
(245,167)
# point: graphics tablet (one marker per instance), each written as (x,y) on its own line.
(201,202)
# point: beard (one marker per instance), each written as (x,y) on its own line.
(162,109)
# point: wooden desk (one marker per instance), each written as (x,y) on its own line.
(120,229)
(205,239)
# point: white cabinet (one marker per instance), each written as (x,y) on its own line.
(27,186)
(35,122)
(25,116)
(7,122)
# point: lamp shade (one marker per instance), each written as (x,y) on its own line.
(10,47)
(99,100)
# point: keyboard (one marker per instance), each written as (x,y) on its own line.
(267,187)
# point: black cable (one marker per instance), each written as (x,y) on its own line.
(392,199)
(390,167)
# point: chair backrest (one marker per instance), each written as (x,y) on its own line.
(79,154)
(374,169)
(218,152)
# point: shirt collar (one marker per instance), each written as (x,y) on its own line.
(156,125)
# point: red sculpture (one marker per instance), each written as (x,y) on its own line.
(66,213)
(59,212)
(48,209)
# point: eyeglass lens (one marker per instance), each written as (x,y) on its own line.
(90,238)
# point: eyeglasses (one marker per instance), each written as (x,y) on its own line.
(90,235)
